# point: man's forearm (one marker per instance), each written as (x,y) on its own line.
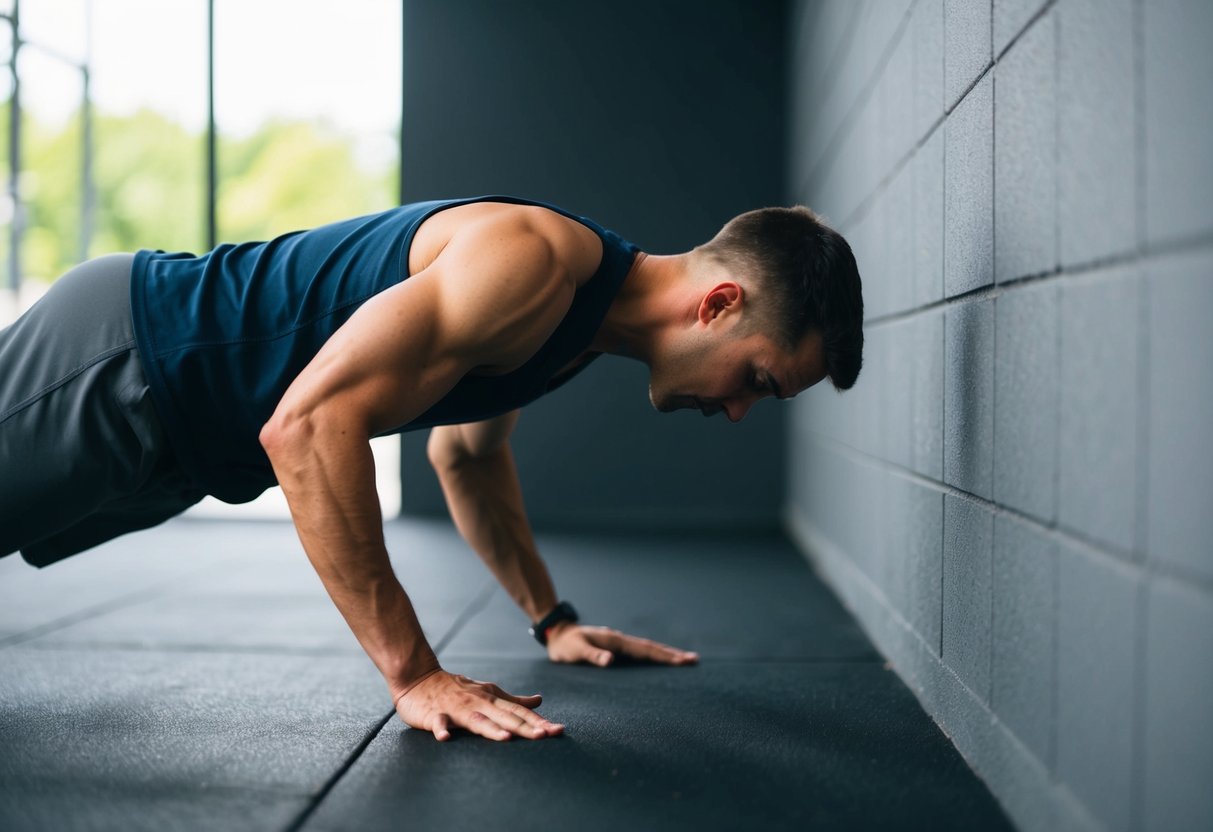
(329,482)
(485,500)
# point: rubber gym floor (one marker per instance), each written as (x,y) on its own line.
(196,676)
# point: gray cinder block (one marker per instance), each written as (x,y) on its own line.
(827,191)
(969,397)
(968,532)
(834,515)
(928,399)
(1098,618)
(867,241)
(865,529)
(830,408)
(969,192)
(1179,719)
(1180,517)
(897,100)
(879,25)
(1098,440)
(1097,205)
(1024,599)
(825,488)
(864,407)
(926,30)
(865,137)
(967,49)
(876,232)
(1026,373)
(895,544)
(1025,176)
(814,411)
(923,572)
(846,408)
(897,410)
(927,166)
(899,219)
(1010,16)
(1179,117)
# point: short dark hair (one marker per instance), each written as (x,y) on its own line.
(806,279)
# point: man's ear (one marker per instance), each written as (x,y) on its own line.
(724,297)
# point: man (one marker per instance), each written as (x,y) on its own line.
(142,382)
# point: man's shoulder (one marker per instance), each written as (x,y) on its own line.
(573,247)
(502,282)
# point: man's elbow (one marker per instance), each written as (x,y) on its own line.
(443,450)
(284,433)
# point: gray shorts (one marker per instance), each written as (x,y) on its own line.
(83,456)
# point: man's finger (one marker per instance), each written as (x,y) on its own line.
(441,727)
(654,651)
(599,657)
(531,701)
(515,712)
(643,648)
(479,723)
(535,724)
(518,720)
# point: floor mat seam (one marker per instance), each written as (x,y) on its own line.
(476,605)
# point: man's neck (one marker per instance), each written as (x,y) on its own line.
(654,296)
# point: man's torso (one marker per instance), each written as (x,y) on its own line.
(223,334)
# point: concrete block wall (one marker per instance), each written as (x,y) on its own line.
(1016,500)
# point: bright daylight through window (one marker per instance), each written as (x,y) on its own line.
(109,150)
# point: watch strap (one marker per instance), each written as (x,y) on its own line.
(561,612)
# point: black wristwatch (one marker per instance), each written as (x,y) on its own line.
(561,612)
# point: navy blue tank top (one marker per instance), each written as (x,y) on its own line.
(222,335)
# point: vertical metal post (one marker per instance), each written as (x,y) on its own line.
(88,195)
(14,160)
(404,26)
(211,159)
(88,203)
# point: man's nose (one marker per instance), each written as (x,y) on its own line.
(737,407)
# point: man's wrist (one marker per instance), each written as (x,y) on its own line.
(560,614)
(404,673)
(399,692)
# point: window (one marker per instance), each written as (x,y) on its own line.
(110,102)
(307,104)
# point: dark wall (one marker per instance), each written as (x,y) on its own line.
(660,120)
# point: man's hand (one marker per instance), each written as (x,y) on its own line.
(568,642)
(440,701)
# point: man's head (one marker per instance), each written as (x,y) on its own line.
(779,308)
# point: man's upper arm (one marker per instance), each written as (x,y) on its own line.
(490,299)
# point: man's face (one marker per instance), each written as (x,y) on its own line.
(715,369)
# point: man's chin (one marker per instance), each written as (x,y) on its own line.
(664,405)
